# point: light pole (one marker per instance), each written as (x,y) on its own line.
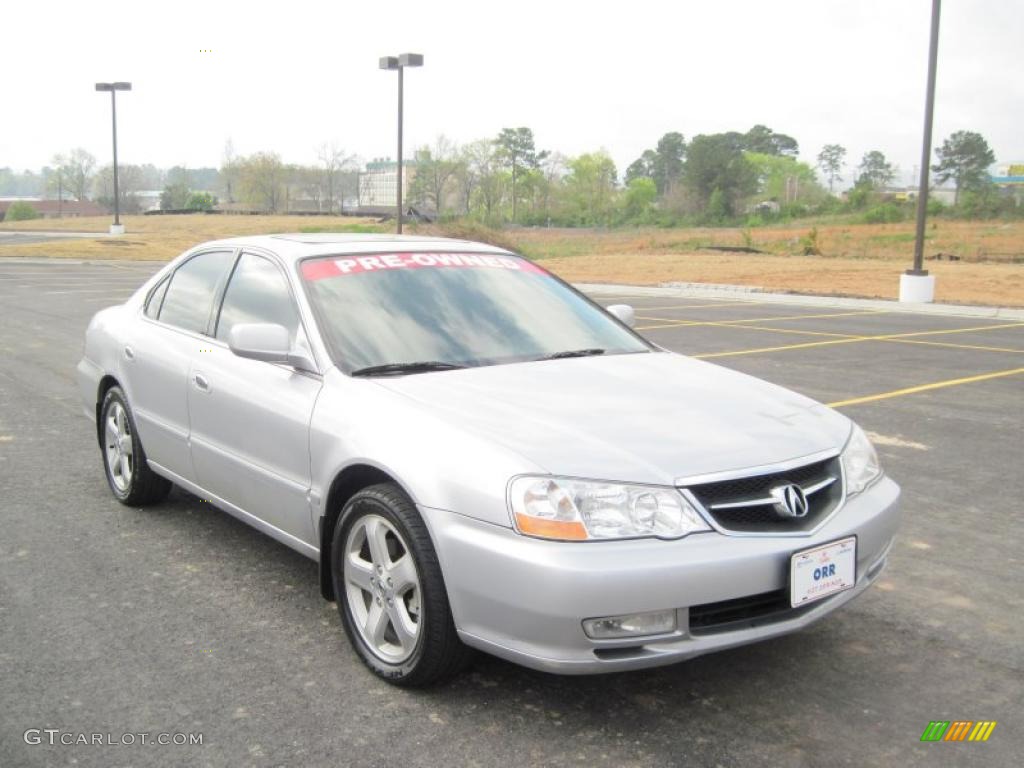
(115,228)
(916,284)
(400,63)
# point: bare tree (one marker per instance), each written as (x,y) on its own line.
(489,176)
(333,162)
(229,171)
(262,181)
(130,180)
(75,171)
(435,172)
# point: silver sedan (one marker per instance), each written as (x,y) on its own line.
(478,456)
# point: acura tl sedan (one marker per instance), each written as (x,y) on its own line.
(478,456)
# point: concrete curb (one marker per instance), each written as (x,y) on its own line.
(755,295)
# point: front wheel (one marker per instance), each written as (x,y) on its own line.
(390,591)
(131,480)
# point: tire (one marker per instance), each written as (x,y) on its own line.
(390,591)
(128,474)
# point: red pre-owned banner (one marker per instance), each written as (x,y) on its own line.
(318,269)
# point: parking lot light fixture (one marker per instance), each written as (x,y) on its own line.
(116,228)
(400,63)
(916,284)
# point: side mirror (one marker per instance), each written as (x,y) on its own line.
(268,342)
(624,312)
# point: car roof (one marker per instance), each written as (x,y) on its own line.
(297,245)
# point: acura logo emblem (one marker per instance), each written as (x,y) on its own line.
(789,501)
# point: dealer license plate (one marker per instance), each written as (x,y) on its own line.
(822,571)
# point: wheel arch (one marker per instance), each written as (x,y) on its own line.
(346,484)
(107,383)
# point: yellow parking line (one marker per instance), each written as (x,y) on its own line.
(759,350)
(926,387)
(788,330)
(701,306)
(869,338)
(950,345)
(852,339)
(671,323)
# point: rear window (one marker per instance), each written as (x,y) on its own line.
(156,298)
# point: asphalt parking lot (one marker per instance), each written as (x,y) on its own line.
(179,618)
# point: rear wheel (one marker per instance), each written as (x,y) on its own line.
(390,591)
(131,480)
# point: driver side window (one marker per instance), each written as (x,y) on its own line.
(257,293)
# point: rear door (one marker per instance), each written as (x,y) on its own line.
(250,419)
(159,352)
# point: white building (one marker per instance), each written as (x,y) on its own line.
(378,183)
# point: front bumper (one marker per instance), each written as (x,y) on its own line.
(525,599)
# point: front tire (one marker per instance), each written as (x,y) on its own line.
(130,479)
(390,591)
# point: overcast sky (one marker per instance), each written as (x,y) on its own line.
(287,76)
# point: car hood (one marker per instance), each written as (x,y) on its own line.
(650,417)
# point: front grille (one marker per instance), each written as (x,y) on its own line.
(743,613)
(762,517)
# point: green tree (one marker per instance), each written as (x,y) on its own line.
(830,160)
(642,167)
(21,210)
(784,179)
(765,141)
(964,157)
(716,162)
(200,201)
(436,168)
(718,207)
(516,150)
(875,171)
(174,197)
(638,200)
(590,188)
(669,157)
(664,164)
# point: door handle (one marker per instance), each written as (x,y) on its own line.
(129,353)
(200,381)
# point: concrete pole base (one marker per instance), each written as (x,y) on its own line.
(919,289)
(117,229)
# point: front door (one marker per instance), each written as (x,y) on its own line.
(250,419)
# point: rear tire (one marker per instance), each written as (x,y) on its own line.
(390,591)
(130,479)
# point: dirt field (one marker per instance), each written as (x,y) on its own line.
(855,260)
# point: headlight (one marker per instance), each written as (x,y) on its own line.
(860,462)
(579,510)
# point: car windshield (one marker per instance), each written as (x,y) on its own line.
(417,312)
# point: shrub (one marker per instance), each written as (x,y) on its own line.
(887,213)
(21,210)
(200,201)
(809,243)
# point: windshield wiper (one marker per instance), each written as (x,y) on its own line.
(396,369)
(575,353)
